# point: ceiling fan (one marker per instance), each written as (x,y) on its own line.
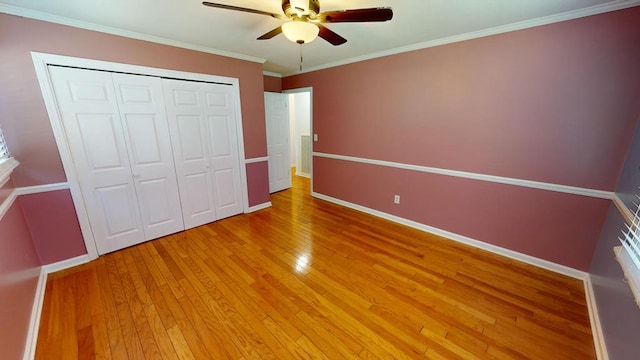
(304,19)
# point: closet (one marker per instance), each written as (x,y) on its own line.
(153,156)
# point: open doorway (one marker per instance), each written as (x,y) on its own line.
(301,125)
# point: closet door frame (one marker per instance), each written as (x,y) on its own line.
(41,61)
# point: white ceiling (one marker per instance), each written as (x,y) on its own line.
(416,24)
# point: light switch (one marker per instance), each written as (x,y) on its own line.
(315,137)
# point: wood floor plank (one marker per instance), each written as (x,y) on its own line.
(86,344)
(159,333)
(83,300)
(283,338)
(307,279)
(149,345)
(213,335)
(180,344)
(116,339)
(48,319)
(100,338)
(311,349)
(184,325)
(68,331)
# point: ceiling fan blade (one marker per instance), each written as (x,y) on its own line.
(356,15)
(237,8)
(331,36)
(272,33)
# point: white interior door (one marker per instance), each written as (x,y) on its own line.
(278,148)
(92,124)
(205,143)
(146,131)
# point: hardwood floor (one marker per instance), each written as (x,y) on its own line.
(307,279)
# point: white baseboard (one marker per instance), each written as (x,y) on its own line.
(303,175)
(36,311)
(34,323)
(541,263)
(594,318)
(259,207)
(66,264)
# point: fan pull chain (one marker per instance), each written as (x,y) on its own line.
(301,58)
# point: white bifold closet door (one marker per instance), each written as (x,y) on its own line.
(203,127)
(117,131)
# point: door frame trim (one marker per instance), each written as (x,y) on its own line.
(42,60)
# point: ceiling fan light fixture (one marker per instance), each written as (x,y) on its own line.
(300,6)
(300,32)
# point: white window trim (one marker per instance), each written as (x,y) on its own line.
(629,265)
(6,168)
(631,272)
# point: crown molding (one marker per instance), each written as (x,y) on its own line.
(570,15)
(269,73)
(37,15)
(546,20)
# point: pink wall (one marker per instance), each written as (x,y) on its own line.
(552,103)
(553,226)
(258,183)
(19,270)
(272,84)
(555,103)
(51,229)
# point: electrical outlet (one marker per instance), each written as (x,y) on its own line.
(396,199)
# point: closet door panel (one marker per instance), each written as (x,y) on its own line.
(198,184)
(199,207)
(98,137)
(116,201)
(142,109)
(225,179)
(219,108)
(159,211)
(93,128)
(189,131)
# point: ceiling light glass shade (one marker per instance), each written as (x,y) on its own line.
(300,32)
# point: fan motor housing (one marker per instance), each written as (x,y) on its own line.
(312,10)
